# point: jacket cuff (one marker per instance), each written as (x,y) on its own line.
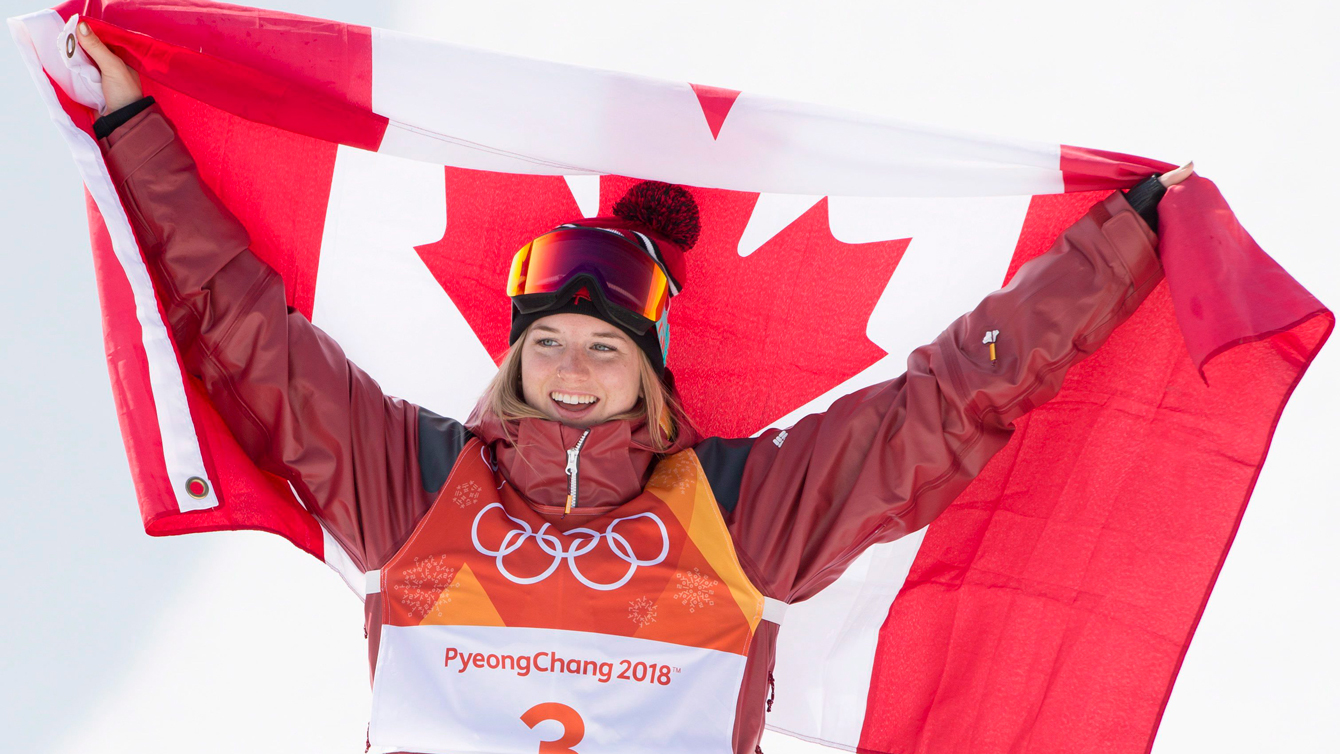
(1133,242)
(104,126)
(1144,199)
(133,144)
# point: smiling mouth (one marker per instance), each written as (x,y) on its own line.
(573,404)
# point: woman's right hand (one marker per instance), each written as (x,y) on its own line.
(120,84)
(1174,177)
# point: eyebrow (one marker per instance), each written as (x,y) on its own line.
(602,334)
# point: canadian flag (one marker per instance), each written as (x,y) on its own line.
(389,179)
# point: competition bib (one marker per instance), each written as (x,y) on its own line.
(504,633)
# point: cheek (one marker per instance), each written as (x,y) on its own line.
(624,386)
(534,372)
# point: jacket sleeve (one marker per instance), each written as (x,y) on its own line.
(298,407)
(885,461)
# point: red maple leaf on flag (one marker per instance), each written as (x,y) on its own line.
(751,338)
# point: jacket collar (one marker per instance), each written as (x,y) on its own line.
(614,463)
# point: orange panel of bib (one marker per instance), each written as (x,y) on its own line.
(660,567)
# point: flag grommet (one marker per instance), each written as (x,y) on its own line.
(69,45)
(197,487)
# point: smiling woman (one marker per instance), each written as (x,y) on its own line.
(577,512)
(578,370)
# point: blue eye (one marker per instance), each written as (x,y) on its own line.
(546,342)
(604,347)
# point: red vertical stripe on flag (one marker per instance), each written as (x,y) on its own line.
(277,182)
(1049,608)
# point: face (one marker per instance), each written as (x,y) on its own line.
(579,370)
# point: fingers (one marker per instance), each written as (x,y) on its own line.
(96,49)
(1174,177)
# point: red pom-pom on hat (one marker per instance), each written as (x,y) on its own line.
(665,208)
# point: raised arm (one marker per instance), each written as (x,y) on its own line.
(886,460)
(298,407)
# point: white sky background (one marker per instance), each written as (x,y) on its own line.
(111,641)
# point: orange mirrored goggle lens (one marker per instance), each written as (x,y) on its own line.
(628,276)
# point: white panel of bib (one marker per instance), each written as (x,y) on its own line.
(423,701)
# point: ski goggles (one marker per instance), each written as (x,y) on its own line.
(629,280)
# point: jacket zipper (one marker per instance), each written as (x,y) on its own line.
(571,471)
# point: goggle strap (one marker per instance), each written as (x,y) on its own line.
(651,249)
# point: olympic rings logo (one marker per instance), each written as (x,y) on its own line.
(553,546)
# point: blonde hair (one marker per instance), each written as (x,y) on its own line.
(657,404)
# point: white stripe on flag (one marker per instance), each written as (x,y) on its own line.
(37,36)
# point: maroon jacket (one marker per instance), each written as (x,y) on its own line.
(879,464)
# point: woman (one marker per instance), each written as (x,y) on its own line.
(574,569)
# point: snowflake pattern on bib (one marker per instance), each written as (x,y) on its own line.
(696,590)
(466,495)
(426,583)
(642,611)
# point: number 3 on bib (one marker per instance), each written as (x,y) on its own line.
(573,726)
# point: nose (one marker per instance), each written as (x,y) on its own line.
(574,363)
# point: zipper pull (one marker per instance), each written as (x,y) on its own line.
(571,471)
(990,341)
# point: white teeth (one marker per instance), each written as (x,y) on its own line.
(573,400)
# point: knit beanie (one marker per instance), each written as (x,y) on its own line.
(667,216)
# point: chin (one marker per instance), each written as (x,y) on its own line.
(568,421)
(584,423)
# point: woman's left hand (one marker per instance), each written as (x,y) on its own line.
(1174,177)
(120,82)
